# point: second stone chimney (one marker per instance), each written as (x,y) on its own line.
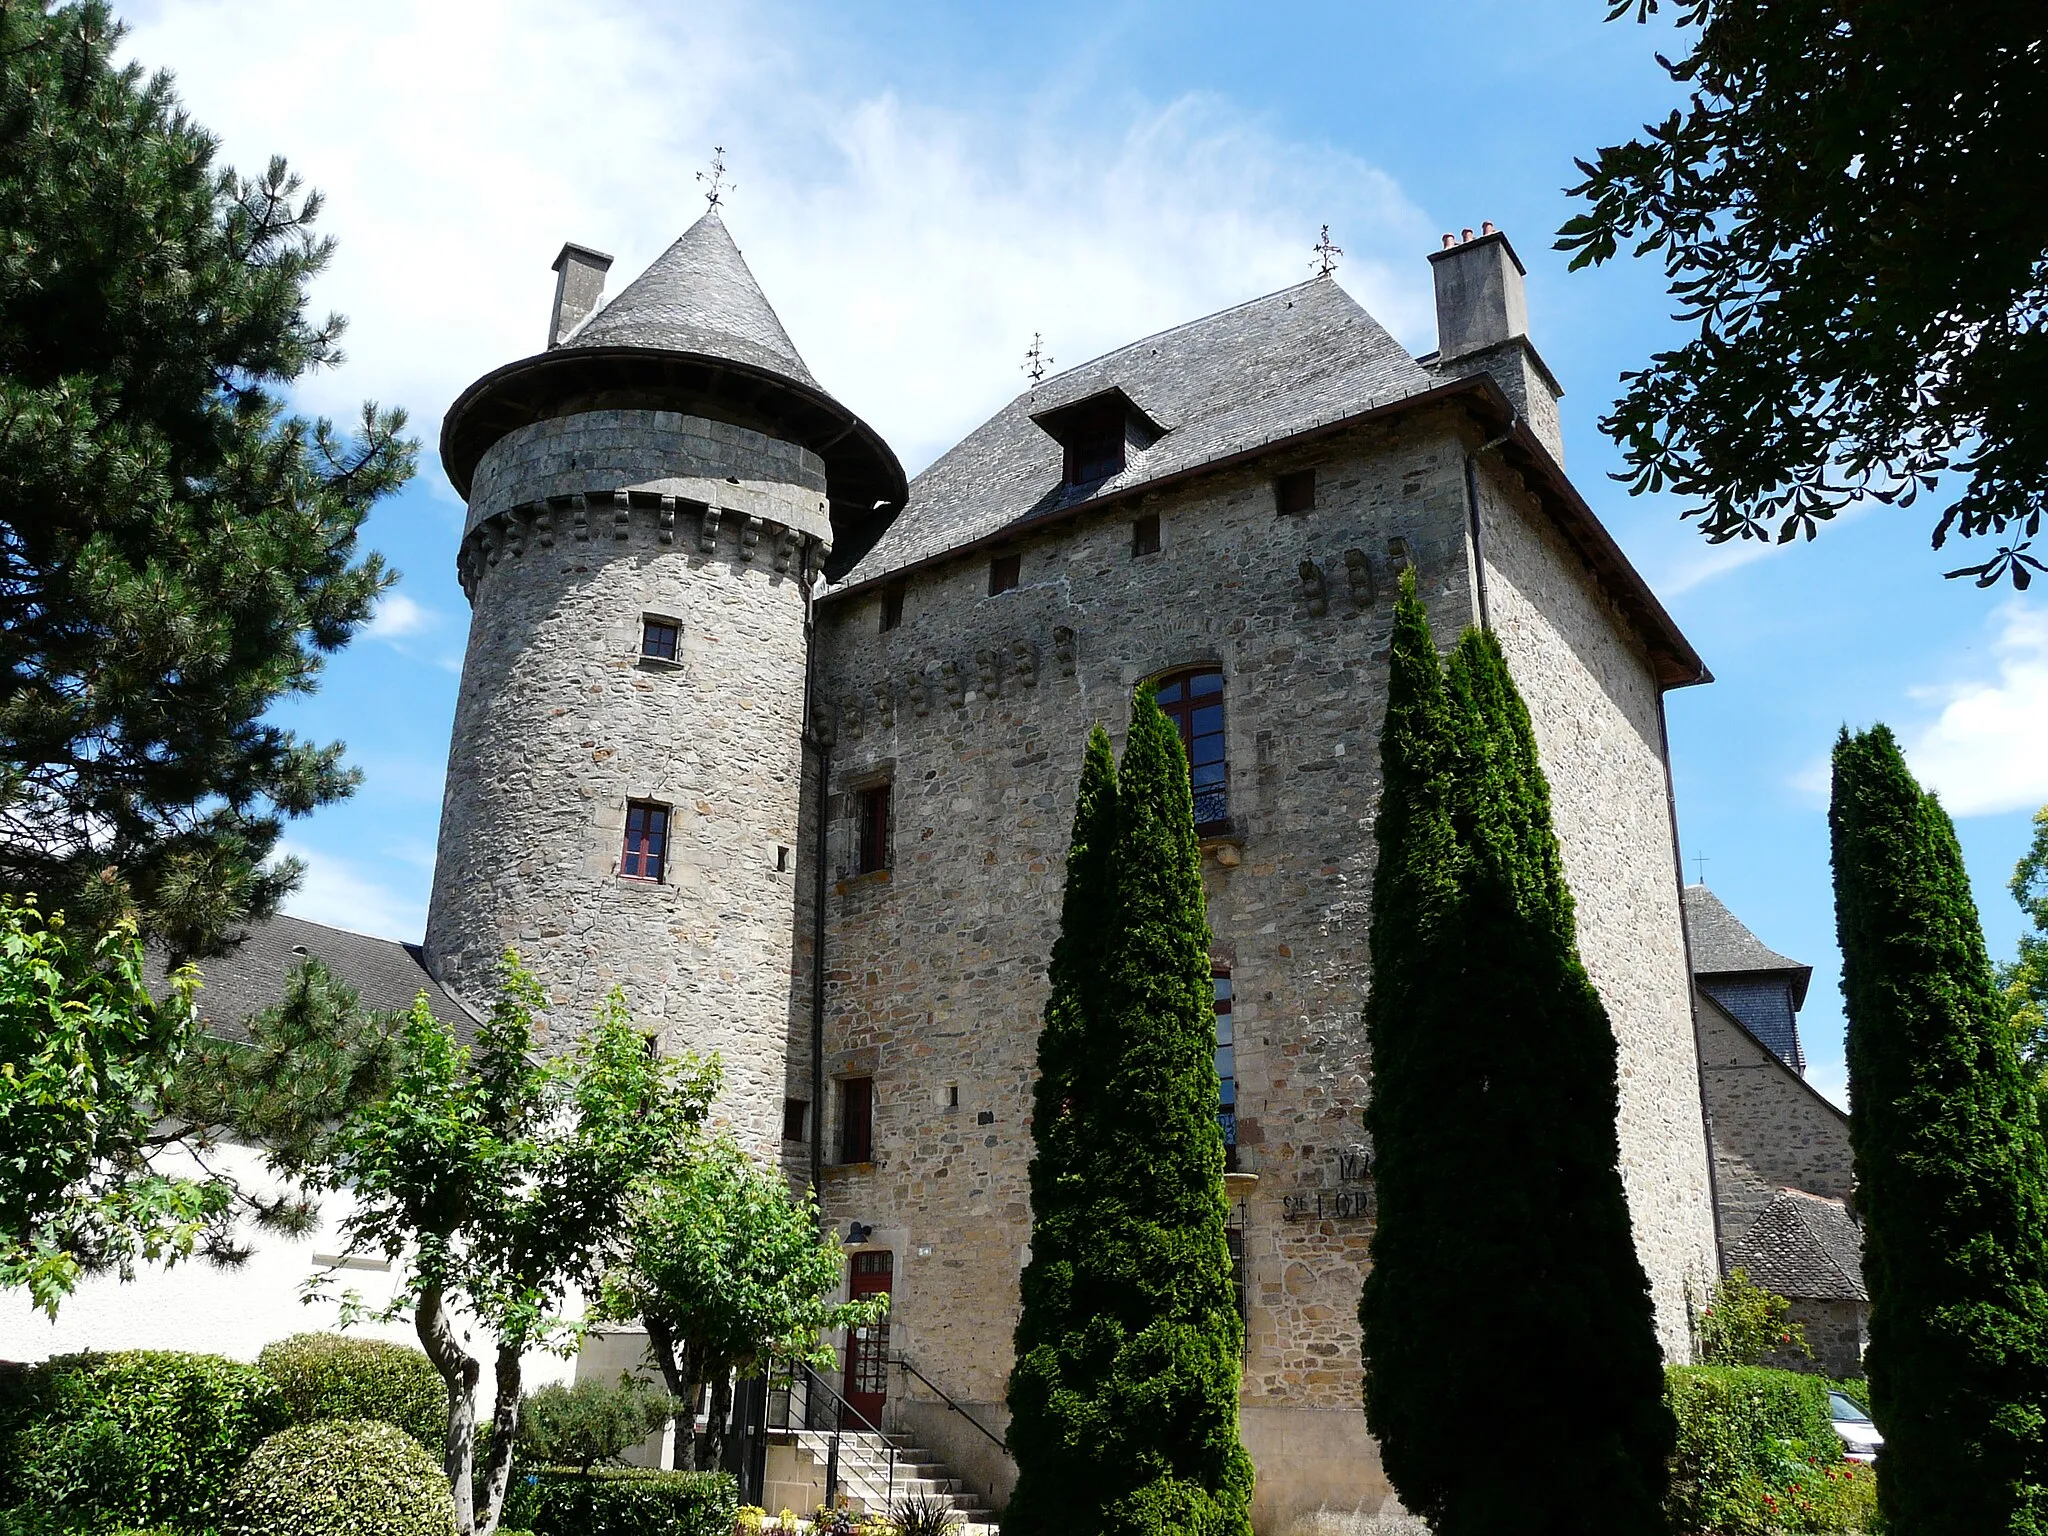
(1482,326)
(579,284)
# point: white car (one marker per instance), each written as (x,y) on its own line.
(1860,1439)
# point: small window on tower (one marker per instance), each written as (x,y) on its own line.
(1004,572)
(857,1120)
(873,808)
(796,1114)
(646,850)
(1145,535)
(1296,491)
(1226,1065)
(892,608)
(660,638)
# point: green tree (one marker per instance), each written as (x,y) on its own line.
(1951,1178)
(726,1272)
(85,1062)
(498,1181)
(593,1421)
(1070,1042)
(1127,1394)
(1848,208)
(177,553)
(1744,1323)
(2024,979)
(1493,1117)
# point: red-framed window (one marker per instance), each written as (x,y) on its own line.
(1226,1064)
(1193,700)
(857,1120)
(872,808)
(646,850)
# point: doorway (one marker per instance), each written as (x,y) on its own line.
(867,1349)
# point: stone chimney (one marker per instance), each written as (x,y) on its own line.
(579,284)
(1482,326)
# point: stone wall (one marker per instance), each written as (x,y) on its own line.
(974,711)
(560,721)
(1771,1129)
(1599,723)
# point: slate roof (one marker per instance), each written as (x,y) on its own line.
(1803,1247)
(1251,374)
(1722,946)
(697,296)
(251,975)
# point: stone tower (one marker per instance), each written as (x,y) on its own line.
(650,501)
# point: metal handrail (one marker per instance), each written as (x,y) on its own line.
(946,1398)
(840,1411)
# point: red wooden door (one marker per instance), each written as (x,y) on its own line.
(867,1349)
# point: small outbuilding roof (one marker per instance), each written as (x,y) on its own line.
(1723,946)
(1803,1247)
(252,974)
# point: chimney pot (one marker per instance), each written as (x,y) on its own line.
(1486,227)
(1467,235)
(1479,298)
(579,284)
(1449,240)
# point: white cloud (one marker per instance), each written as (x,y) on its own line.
(1987,751)
(398,616)
(335,891)
(912,250)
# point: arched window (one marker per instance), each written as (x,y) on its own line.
(1193,700)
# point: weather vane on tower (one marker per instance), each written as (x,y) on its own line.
(1036,359)
(715,184)
(1326,254)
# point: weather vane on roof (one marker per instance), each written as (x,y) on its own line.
(1701,860)
(1036,359)
(715,184)
(1326,254)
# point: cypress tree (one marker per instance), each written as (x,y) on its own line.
(1504,1268)
(1139,1386)
(1068,1044)
(1950,1168)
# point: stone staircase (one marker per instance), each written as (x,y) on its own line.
(864,1475)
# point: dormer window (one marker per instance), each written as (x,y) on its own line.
(1096,435)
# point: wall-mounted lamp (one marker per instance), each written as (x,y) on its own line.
(858,1232)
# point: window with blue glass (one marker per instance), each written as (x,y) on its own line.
(1226,1065)
(1194,702)
(646,849)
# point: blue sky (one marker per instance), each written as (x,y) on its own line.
(921,186)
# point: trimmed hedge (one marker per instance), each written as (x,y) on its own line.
(138,1438)
(325,1376)
(1757,1452)
(344,1477)
(622,1501)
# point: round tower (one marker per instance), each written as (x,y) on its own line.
(650,500)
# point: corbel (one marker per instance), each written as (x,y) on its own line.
(1358,571)
(544,524)
(920,693)
(579,517)
(785,549)
(1399,558)
(750,535)
(1063,649)
(956,688)
(707,531)
(1024,662)
(885,705)
(986,664)
(1314,589)
(622,516)
(665,520)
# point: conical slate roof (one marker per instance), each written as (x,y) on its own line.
(1723,946)
(698,296)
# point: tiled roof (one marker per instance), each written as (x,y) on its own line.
(697,296)
(1722,946)
(1261,371)
(1803,1247)
(251,976)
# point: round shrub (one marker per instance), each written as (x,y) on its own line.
(331,1376)
(343,1477)
(138,1438)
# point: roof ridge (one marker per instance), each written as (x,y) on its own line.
(1172,330)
